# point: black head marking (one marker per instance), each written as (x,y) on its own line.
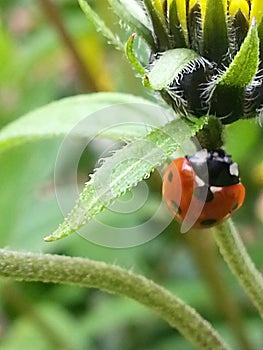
(215,168)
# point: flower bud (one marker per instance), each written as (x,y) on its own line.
(225,79)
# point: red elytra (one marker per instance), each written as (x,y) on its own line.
(180,185)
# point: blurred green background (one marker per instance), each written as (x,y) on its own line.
(49,51)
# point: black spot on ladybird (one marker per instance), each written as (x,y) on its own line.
(176,207)
(170,176)
(208,222)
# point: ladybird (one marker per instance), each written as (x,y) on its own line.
(203,189)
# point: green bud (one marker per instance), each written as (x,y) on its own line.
(224,76)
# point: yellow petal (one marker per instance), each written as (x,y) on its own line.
(202,4)
(181,10)
(236,5)
(158,4)
(256,10)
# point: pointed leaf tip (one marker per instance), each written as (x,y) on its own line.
(124,170)
(244,66)
(129,50)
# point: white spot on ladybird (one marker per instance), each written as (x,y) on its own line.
(233,169)
(215,189)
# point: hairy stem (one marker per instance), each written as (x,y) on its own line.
(88,273)
(209,266)
(236,256)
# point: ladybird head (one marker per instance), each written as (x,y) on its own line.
(215,168)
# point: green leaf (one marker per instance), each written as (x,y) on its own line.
(195,28)
(133,14)
(28,204)
(177,36)
(168,66)
(129,50)
(215,43)
(244,66)
(60,117)
(260,34)
(229,89)
(160,30)
(124,170)
(100,25)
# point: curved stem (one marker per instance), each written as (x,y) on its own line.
(88,273)
(210,268)
(236,256)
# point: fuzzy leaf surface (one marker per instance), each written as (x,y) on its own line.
(134,15)
(244,66)
(215,43)
(124,170)
(94,18)
(60,117)
(168,66)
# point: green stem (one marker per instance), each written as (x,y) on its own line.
(211,136)
(236,256)
(210,268)
(88,273)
